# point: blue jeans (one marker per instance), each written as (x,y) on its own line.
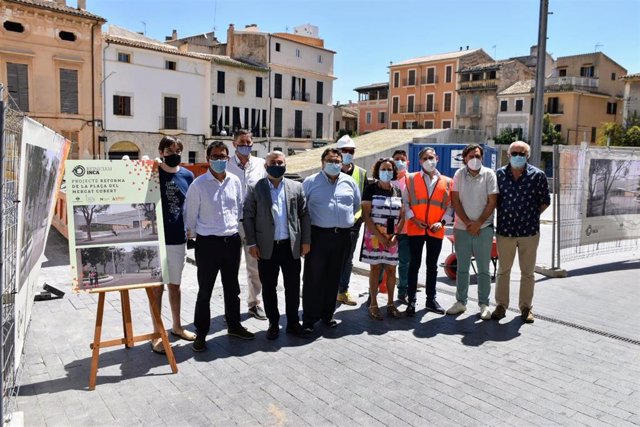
(479,247)
(404,257)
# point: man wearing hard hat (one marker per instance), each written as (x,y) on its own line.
(347,147)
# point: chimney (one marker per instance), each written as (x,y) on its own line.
(174,35)
(82,4)
(230,34)
(467,47)
(460,48)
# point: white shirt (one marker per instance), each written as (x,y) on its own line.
(212,207)
(473,192)
(249,174)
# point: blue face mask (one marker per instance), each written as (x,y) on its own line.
(401,165)
(518,162)
(244,150)
(347,158)
(386,176)
(332,169)
(218,166)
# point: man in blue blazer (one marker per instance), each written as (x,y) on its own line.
(278,232)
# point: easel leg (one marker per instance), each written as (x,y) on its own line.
(157,320)
(96,342)
(126,318)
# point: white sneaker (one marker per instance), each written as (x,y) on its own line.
(485,313)
(457,308)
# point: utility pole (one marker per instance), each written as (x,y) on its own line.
(538,111)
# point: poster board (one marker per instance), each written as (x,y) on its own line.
(116,232)
(611,196)
(42,156)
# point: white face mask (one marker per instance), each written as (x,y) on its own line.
(429,165)
(474,164)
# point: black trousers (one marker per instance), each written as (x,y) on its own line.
(217,254)
(322,267)
(281,259)
(434,246)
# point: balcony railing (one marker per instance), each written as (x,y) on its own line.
(567,83)
(479,85)
(300,96)
(419,108)
(426,80)
(409,82)
(172,122)
(471,112)
(299,133)
(557,110)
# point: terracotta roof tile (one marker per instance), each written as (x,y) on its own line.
(53,6)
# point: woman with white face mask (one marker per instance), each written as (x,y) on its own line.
(383,218)
(474,198)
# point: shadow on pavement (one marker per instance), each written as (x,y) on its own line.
(474,331)
(57,249)
(631,264)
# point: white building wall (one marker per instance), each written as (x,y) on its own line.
(515,119)
(631,101)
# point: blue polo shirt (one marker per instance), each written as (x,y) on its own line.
(332,204)
(519,202)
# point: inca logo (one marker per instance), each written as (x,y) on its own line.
(78,171)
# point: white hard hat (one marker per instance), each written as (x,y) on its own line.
(346,142)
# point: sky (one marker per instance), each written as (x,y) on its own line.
(367,34)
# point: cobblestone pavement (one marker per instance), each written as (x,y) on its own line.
(578,364)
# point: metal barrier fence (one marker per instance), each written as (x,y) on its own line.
(570,195)
(10,137)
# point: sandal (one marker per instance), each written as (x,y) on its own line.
(393,311)
(374,313)
(158,347)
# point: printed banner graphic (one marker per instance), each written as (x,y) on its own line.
(116,235)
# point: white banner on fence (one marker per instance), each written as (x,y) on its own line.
(611,202)
(41,170)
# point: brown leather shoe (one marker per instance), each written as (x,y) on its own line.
(499,312)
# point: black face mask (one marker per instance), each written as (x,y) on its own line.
(172,160)
(276,171)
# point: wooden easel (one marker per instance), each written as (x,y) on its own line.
(128,339)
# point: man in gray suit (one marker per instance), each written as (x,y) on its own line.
(278,232)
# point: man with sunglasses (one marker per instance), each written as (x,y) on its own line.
(524,195)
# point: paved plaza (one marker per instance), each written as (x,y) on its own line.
(578,364)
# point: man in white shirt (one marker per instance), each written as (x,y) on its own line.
(213,205)
(249,170)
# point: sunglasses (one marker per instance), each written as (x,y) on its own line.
(521,154)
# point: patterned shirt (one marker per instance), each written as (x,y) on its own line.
(519,201)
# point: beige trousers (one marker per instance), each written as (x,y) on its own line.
(527,248)
(254,286)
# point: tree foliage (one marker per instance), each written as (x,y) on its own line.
(550,135)
(509,135)
(88,213)
(616,135)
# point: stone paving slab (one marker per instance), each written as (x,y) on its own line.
(427,370)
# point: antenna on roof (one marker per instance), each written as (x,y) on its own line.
(597,46)
(215,10)
(144,25)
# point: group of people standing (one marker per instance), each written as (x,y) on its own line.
(246,202)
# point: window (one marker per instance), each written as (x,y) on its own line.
(593,134)
(319,92)
(492,75)
(319,59)
(428,124)
(430,107)
(531,107)
(504,105)
(240,86)
(557,128)
(297,124)
(613,76)
(431,75)
(446,124)
(220,84)
(258,87)
(396,79)
(67,36)
(412,78)
(277,47)
(587,71)
(299,89)
(410,100)
(612,107)
(121,105)
(368,118)
(124,57)
(68,91)
(192,157)
(519,103)
(562,72)
(382,117)
(447,102)
(319,125)
(15,27)
(277,122)
(395,105)
(170,117)
(298,53)
(463,104)
(394,125)
(448,73)
(277,86)
(337,125)
(409,124)
(170,65)
(553,105)
(18,84)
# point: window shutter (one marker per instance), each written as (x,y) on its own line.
(18,82)
(293,88)
(68,91)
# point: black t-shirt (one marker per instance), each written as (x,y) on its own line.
(374,189)
(173,191)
